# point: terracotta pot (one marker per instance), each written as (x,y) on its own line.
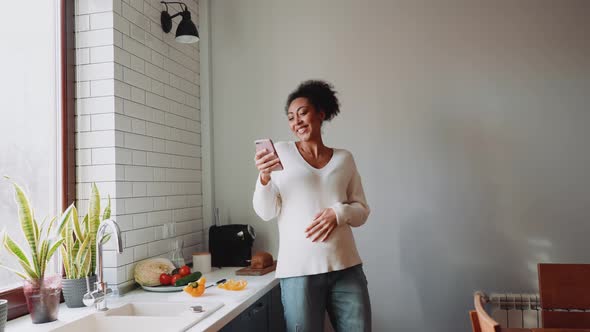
(43,297)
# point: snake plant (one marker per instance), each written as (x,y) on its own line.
(37,236)
(79,237)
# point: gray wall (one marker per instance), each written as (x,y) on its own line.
(468,120)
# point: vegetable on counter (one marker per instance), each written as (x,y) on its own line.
(233,285)
(196,288)
(148,271)
(187,279)
(184,271)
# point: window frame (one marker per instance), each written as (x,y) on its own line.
(17,305)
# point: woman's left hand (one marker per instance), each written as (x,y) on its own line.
(322,225)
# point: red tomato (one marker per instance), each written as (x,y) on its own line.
(174,278)
(184,271)
(165,279)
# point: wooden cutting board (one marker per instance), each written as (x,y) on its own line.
(248,271)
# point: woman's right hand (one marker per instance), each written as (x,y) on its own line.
(265,161)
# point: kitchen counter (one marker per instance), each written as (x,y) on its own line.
(234,302)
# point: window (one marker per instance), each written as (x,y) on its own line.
(36,124)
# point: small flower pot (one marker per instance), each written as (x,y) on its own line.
(74,290)
(42,297)
(3,314)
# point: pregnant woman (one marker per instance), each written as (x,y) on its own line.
(318,198)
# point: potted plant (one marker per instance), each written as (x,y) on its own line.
(79,248)
(42,292)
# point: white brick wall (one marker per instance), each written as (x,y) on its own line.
(138,127)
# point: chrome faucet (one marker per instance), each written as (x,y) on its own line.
(101,290)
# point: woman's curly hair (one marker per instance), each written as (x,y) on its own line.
(320,94)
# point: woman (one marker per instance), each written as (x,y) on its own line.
(318,197)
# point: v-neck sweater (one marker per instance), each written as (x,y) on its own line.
(296,194)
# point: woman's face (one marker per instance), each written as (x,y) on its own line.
(304,120)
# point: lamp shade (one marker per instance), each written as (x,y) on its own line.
(187,31)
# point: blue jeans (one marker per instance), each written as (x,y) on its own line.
(343,294)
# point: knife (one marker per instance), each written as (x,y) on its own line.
(217,283)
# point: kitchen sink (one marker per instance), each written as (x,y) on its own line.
(144,317)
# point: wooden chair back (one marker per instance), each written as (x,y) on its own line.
(564,287)
(484,321)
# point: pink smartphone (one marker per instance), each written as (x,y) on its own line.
(266,143)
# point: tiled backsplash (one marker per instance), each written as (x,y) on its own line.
(138,127)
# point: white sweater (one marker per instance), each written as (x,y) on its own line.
(296,194)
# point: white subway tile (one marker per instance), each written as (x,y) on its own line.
(192,239)
(151,13)
(195,200)
(158,159)
(93,38)
(124,157)
(122,89)
(96,173)
(184,60)
(102,54)
(120,24)
(139,158)
(176,121)
(159,145)
(103,121)
(157,102)
(134,47)
(158,247)
(112,275)
(117,38)
(139,204)
(159,203)
(157,87)
(101,20)
(157,73)
(134,16)
(139,236)
(176,202)
(137,4)
(118,73)
(138,111)
(94,6)
(122,57)
(157,58)
(138,95)
(159,116)
(82,23)
(112,258)
(122,122)
(159,189)
(157,130)
(136,79)
(139,189)
(95,71)
(139,173)
(124,190)
(156,44)
(82,56)
(99,88)
(96,139)
(138,126)
(140,220)
(103,156)
(159,217)
(140,252)
(137,64)
(83,157)
(182,149)
(139,142)
(82,89)
(187,214)
(174,94)
(137,33)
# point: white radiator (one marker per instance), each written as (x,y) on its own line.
(515,310)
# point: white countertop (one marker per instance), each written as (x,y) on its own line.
(234,302)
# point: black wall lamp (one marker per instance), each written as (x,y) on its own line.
(186,32)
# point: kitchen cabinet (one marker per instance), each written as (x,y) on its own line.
(264,315)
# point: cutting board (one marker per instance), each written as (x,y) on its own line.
(248,271)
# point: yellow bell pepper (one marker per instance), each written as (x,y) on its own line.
(233,285)
(196,288)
